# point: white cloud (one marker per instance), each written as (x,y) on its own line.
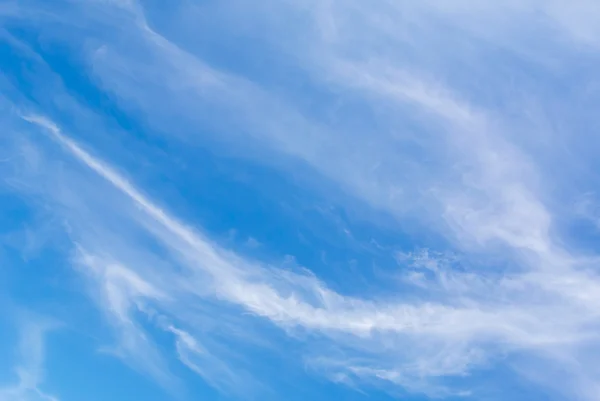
(210,367)
(121,294)
(542,310)
(478,188)
(372,166)
(30,371)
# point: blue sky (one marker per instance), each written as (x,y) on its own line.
(293,200)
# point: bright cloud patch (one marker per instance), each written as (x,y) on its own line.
(299,200)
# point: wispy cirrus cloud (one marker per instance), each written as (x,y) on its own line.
(30,368)
(392,339)
(411,121)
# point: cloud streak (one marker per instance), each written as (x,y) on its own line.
(431,339)
(405,130)
(30,370)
